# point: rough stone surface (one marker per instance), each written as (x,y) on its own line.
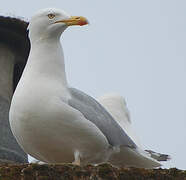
(89,172)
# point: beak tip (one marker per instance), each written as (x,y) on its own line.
(83,22)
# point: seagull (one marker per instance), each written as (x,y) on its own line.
(56,123)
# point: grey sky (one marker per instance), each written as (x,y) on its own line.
(135,48)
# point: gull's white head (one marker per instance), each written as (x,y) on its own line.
(51,22)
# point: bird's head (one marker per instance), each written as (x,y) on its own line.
(50,23)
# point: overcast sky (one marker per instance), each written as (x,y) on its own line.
(136,48)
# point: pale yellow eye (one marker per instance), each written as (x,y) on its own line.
(51,16)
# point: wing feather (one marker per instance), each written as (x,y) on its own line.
(96,113)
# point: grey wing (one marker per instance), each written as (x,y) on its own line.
(96,113)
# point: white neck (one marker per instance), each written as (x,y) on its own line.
(46,59)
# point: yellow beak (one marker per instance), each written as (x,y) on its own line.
(74,20)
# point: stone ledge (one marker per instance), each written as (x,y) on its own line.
(72,172)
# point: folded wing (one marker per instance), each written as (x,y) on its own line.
(96,113)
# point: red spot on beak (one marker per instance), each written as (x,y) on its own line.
(83,22)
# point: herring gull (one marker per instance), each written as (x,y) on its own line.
(56,123)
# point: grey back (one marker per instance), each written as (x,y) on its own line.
(96,113)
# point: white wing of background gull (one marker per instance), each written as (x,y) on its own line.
(58,124)
(117,107)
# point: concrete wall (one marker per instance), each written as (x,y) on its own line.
(9,149)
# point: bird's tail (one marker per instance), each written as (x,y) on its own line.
(158,156)
(128,157)
(116,106)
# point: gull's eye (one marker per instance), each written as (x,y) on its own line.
(51,16)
